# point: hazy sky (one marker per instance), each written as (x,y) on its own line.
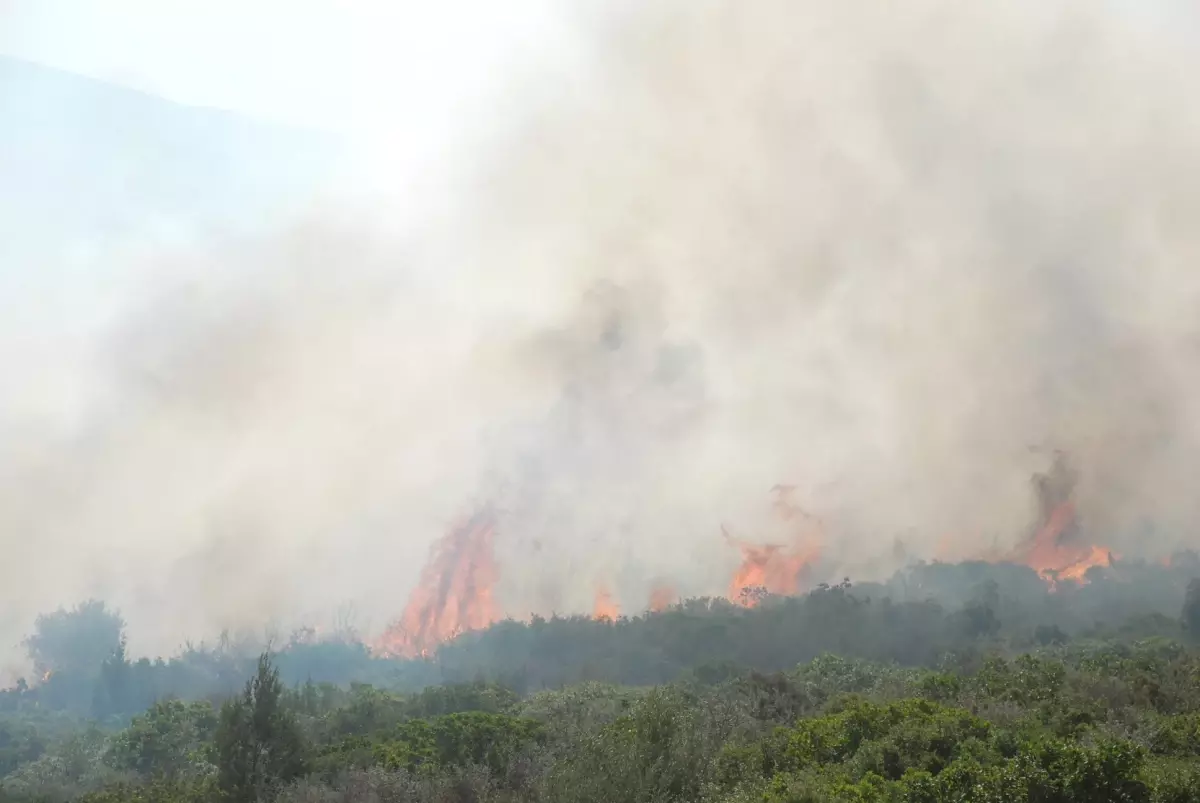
(342,67)
(394,89)
(399,79)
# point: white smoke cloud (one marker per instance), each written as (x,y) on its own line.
(877,254)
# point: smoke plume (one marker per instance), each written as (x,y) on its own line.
(890,258)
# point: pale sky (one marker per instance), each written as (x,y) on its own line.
(399,79)
(345,67)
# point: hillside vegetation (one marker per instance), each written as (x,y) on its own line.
(970,682)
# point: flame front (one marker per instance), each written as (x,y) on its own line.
(1095,556)
(454,594)
(770,567)
(1056,556)
(1056,550)
(774,568)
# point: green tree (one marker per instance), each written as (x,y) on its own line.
(1191,609)
(20,743)
(114,693)
(169,740)
(77,641)
(258,741)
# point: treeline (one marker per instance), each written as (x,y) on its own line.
(917,616)
(951,682)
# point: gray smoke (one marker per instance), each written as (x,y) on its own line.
(891,257)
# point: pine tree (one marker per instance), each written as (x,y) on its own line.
(114,689)
(259,744)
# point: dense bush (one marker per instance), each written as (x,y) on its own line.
(1004,692)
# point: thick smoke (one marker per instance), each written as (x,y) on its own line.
(891,257)
(914,254)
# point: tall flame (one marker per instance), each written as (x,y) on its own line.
(774,568)
(454,594)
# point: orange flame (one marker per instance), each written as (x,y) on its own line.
(1054,554)
(662,596)
(605,606)
(773,568)
(769,567)
(1055,551)
(454,594)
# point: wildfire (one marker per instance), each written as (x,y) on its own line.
(1096,556)
(1056,556)
(606,606)
(1056,550)
(662,597)
(774,568)
(454,594)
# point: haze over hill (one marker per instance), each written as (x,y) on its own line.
(92,169)
(88,159)
(99,181)
(99,184)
